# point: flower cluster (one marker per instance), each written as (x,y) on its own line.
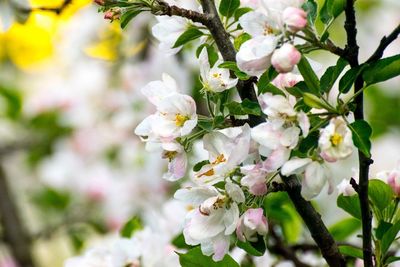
(269,26)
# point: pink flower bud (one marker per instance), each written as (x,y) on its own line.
(294,18)
(251,222)
(285,58)
(393,180)
(112,14)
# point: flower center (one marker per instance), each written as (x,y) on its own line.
(268,30)
(170,155)
(216,75)
(336,139)
(219,159)
(180,120)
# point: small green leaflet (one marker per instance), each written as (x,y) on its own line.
(380,193)
(127,16)
(195,258)
(350,204)
(382,70)
(361,136)
(228,7)
(310,78)
(189,35)
(351,251)
(331,74)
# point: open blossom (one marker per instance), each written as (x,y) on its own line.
(286,80)
(393,179)
(285,58)
(254,178)
(176,113)
(214,79)
(225,155)
(252,222)
(335,140)
(168,30)
(294,18)
(258,24)
(213,219)
(254,56)
(315,175)
(177,161)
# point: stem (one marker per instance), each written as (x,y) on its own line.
(313,220)
(14,232)
(364,162)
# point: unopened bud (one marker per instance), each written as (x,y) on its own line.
(285,58)
(100,2)
(294,18)
(112,14)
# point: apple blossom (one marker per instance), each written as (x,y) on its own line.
(254,56)
(294,18)
(335,140)
(212,222)
(393,179)
(254,178)
(315,175)
(257,23)
(285,58)
(214,79)
(177,161)
(252,222)
(225,154)
(287,80)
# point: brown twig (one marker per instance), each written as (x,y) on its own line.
(384,43)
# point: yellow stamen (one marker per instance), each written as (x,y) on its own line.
(216,75)
(180,120)
(336,139)
(170,155)
(219,159)
(207,173)
(268,30)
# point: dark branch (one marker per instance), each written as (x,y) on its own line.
(15,234)
(312,219)
(280,248)
(364,162)
(385,42)
(194,16)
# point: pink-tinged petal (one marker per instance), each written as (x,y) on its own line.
(314,180)
(259,189)
(276,159)
(176,168)
(295,166)
(304,123)
(221,247)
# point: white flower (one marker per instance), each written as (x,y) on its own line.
(225,154)
(214,79)
(176,113)
(252,222)
(335,140)
(177,161)
(168,30)
(254,56)
(345,188)
(211,224)
(254,179)
(258,24)
(314,174)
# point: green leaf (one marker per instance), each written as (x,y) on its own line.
(383,227)
(179,242)
(351,251)
(199,165)
(344,228)
(228,7)
(253,248)
(195,258)
(349,78)
(331,10)
(51,199)
(311,8)
(244,108)
(331,74)
(240,40)
(131,226)
(392,259)
(380,193)
(314,101)
(206,125)
(361,136)
(241,11)
(126,17)
(189,35)
(233,67)
(310,78)
(382,70)
(268,88)
(212,53)
(389,237)
(350,204)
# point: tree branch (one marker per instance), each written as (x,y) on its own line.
(313,220)
(364,162)
(194,16)
(385,42)
(14,232)
(280,248)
